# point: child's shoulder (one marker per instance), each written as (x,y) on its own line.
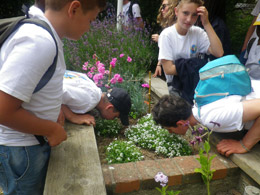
(168,30)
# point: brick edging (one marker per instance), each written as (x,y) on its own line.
(129,177)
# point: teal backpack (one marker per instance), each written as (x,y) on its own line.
(220,78)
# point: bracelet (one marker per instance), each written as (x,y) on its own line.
(242,144)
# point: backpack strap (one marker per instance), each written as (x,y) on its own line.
(249,45)
(49,73)
(130,10)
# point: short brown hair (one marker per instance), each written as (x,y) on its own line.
(86,4)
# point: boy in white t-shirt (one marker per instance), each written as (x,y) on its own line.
(184,40)
(81,95)
(24,58)
(228,114)
(132,14)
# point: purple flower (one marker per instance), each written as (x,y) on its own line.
(186,124)
(198,138)
(200,130)
(192,142)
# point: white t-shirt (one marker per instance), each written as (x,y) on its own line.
(173,46)
(80,93)
(135,10)
(24,58)
(228,112)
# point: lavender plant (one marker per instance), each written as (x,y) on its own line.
(105,40)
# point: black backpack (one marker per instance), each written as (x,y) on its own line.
(130,10)
(9,25)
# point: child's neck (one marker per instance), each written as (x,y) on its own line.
(180,30)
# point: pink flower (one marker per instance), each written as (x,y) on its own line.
(97,63)
(129,59)
(101,69)
(121,55)
(120,80)
(94,56)
(145,85)
(85,66)
(90,75)
(107,72)
(113,62)
(92,69)
(107,86)
(113,81)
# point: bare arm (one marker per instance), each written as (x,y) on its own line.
(14,116)
(249,33)
(251,111)
(77,118)
(215,47)
(168,67)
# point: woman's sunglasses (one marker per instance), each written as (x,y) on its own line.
(164,6)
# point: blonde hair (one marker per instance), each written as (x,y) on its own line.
(169,18)
(87,5)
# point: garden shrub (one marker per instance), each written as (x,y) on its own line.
(123,152)
(106,42)
(148,135)
(107,128)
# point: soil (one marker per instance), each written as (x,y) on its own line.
(102,142)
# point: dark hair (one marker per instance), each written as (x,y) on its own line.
(170,109)
(86,4)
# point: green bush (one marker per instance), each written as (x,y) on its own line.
(107,42)
(123,152)
(107,128)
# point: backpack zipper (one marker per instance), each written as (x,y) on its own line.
(213,94)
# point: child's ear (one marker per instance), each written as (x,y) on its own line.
(109,107)
(73,7)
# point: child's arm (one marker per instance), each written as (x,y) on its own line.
(14,116)
(77,118)
(168,67)
(251,111)
(215,47)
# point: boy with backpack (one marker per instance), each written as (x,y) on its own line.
(24,57)
(132,14)
(228,113)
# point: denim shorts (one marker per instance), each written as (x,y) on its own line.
(23,169)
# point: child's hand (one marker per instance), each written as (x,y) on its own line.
(203,13)
(158,70)
(155,37)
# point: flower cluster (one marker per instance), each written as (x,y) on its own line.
(150,136)
(199,131)
(163,179)
(98,73)
(123,152)
(160,177)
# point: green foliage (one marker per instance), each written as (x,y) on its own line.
(123,152)
(107,42)
(150,136)
(164,191)
(107,128)
(205,161)
(137,93)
